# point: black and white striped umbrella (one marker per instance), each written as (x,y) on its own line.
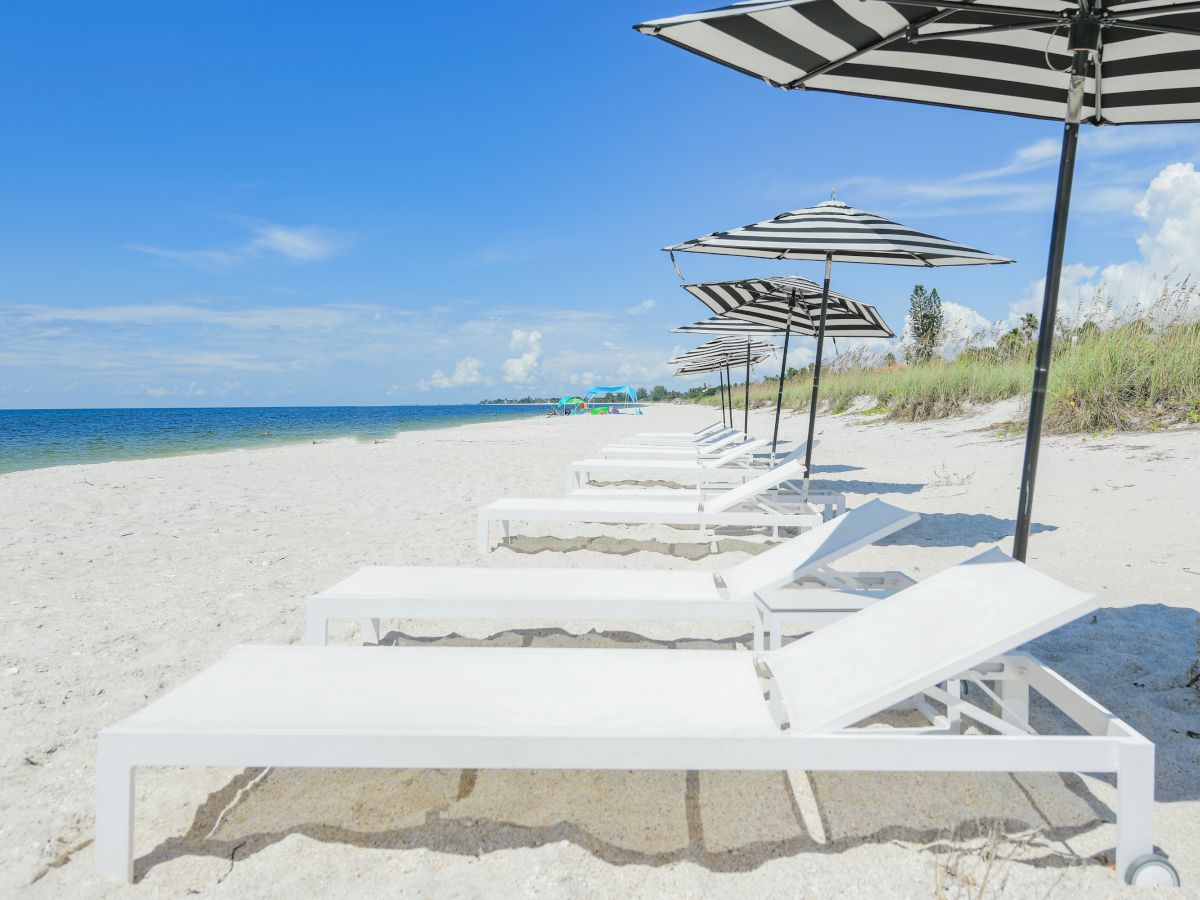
(1124,62)
(852,235)
(727,325)
(792,305)
(773,301)
(720,348)
(718,355)
(828,231)
(721,367)
(1011,56)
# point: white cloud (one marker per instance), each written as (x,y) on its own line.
(304,244)
(961,326)
(192,389)
(1111,158)
(641,308)
(468,371)
(175,313)
(1168,248)
(521,369)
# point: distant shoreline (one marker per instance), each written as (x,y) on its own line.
(39,439)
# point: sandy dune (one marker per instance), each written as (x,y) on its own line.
(120,580)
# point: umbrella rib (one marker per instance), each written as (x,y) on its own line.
(972,32)
(968,6)
(1171,10)
(1154,28)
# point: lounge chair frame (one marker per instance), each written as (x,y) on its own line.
(1109,746)
(760,509)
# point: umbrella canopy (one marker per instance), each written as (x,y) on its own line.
(852,235)
(1009,58)
(769,301)
(1080,61)
(726,325)
(724,348)
(718,355)
(702,368)
(789,304)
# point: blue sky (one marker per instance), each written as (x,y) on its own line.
(280,203)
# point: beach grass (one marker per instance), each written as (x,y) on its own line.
(1134,376)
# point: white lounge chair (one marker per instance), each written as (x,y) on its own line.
(793,582)
(748,505)
(698,434)
(831,503)
(675,440)
(736,464)
(679,451)
(738,455)
(532,708)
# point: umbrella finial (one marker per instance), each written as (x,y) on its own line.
(833,193)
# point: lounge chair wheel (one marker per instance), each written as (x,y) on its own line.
(1151,870)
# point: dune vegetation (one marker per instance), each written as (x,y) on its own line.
(1135,374)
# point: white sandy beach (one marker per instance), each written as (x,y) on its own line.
(121,580)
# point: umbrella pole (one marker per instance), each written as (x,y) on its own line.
(787,333)
(721,376)
(746,417)
(816,387)
(729,386)
(1045,345)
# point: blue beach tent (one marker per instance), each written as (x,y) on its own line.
(622,389)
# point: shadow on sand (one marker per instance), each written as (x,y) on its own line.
(855,486)
(712,819)
(530,544)
(1134,660)
(958,530)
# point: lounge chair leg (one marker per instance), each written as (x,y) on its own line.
(758,633)
(316,629)
(114,812)
(483,536)
(1014,694)
(506,525)
(953,713)
(1135,803)
(370,630)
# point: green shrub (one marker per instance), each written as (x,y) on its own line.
(1128,377)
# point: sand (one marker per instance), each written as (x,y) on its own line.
(118,581)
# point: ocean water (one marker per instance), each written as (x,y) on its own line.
(36,438)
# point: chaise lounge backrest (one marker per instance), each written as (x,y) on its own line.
(755,486)
(796,452)
(816,548)
(733,453)
(925,634)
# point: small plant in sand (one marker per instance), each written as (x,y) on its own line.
(943,477)
(973,869)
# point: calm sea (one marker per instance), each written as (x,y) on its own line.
(36,438)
